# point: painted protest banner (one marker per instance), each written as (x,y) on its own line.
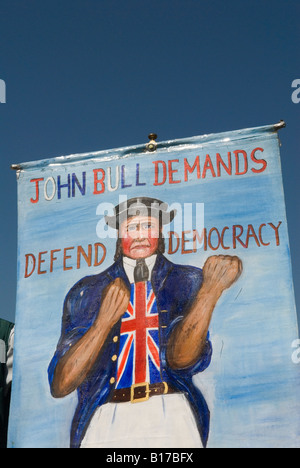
(155,303)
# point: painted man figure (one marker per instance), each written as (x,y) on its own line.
(137,333)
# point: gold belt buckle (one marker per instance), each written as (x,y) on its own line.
(133,398)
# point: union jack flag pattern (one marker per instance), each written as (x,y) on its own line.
(138,360)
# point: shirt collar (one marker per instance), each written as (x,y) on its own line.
(129,265)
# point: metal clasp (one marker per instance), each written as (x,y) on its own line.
(166,388)
(152,145)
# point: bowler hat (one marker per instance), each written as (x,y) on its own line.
(140,206)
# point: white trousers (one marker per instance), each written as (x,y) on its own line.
(164,421)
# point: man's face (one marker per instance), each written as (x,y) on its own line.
(139,236)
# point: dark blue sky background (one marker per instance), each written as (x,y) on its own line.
(87,75)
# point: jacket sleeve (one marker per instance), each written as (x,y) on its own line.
(202,363)
(80,308)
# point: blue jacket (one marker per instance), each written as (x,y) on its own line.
(175,287)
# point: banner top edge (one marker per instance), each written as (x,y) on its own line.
(117,153)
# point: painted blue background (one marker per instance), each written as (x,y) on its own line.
(251,385)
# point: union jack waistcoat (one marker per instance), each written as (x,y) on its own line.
(139,339)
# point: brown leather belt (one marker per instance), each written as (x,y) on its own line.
(140,392)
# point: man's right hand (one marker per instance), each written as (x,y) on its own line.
(114,304)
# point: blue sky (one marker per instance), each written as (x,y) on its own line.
(87,75)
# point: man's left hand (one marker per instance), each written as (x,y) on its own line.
(221,271)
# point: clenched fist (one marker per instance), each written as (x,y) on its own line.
(115,302)
(221,271)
